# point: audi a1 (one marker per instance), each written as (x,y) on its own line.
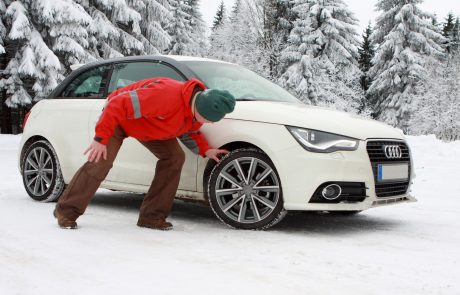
(284,155)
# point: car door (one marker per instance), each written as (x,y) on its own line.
(134,163)
(66,115)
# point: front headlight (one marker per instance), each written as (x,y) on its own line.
(323,142)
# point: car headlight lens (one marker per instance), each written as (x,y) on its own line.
(323,142)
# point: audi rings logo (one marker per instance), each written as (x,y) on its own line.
(392,151)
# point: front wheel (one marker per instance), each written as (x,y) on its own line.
(41,173)
(245,191)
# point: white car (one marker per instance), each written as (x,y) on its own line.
(284,155)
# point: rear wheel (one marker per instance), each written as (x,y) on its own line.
(41,173)
(245,191)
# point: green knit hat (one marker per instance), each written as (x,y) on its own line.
(214,104)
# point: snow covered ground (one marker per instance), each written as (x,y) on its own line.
(402,249)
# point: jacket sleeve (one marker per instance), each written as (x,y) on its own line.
(117,110)
(195,141)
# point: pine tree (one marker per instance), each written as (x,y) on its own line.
(236,9)
(366,53)
(321,56)
(437,100)
(5,112)
(63,26)
(229,40)
(277,24)
(180,28)
(115,29)
(34,60)
(219,34)
(436,25)
(220,16)
(455,43)
(155,14)
(251,36)
(2,27)
(406,39)
(198,45)
(21,65)
(43,31)
(448,31)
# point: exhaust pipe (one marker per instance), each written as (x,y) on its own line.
(331,192)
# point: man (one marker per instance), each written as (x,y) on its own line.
(154,111)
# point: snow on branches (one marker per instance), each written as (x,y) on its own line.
(321,55)
(406,40)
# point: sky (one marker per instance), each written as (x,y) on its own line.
(363,9)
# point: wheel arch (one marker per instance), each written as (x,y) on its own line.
(26,145)
(29,142)
(56,184)
(230,146)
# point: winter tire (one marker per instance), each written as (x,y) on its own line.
(41,172)
(245,191)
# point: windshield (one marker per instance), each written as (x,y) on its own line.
(239,81)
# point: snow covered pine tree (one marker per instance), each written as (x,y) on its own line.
(437,95)
(321,56)
(366,54)
(45,32)
(115,29)
(199,43)
(154,15)
(406,39)
(2,27)
(219,32)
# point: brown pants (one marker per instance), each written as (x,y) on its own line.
(160,196)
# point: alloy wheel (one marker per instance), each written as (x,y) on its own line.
(247,190)
(38,171)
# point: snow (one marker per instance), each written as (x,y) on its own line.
(327,73)
(405,40)
(403,249)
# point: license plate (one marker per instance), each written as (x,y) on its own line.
(392,172)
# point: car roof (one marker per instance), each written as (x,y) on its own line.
(192,58)
(173,59)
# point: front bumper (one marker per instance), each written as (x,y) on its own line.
(302,172)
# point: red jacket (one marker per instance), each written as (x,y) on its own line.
(154,109)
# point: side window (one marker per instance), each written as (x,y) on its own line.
(90,84)
(127,73)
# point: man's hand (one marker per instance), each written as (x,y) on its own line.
(95,151)
(213,153)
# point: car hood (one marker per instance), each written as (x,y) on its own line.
(318,118)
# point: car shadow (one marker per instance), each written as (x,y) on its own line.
(132,202)
(295,222)
(331,224)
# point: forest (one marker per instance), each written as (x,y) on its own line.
(402,70)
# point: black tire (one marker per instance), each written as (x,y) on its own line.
(49,183)
(263,208)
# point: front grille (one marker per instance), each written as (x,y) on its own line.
(377,156)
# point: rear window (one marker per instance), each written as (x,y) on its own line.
(90,83)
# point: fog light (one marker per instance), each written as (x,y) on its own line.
(331,192)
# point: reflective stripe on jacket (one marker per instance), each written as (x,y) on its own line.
(154,109)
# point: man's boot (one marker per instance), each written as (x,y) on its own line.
(64,222)
(159,224)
